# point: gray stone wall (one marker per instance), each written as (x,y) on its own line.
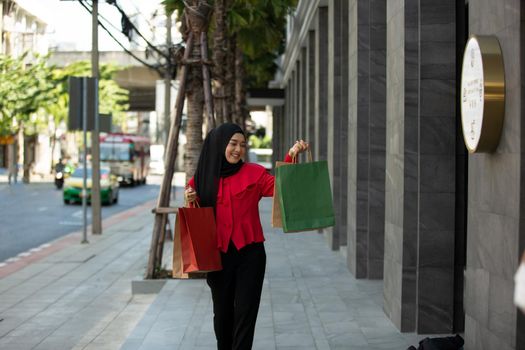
(495,214)
(394,185)
(420,200)
(310,107)
(321,85)
(335,81)
(377,139)
(301,128)
(368,117)
(352,251)
(437,172)
(338,117)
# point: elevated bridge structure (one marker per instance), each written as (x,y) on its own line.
(135,77)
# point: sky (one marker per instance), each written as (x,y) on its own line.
(69,23)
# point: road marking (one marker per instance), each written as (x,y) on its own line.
(24,254)
(42,209)
(34,250)
(70,223)
(79,213)
(45,245)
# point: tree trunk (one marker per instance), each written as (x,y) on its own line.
(239,88)
(229,88)
(195,109)
(220,59)
(53,145)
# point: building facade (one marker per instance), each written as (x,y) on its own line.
(373,85)
(21,32)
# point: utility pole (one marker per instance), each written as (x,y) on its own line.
(167,85)
(96,225)
(167,105)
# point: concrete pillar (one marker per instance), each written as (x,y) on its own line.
(321,85)
(420,165)
(338,116)
(300,96)
(366,177)
(377,139)
(310,86)
(287,113)
(293,98)
(304,102)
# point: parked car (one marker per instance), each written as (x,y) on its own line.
(261,156)
(109,186)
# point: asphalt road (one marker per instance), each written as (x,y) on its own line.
(34,214)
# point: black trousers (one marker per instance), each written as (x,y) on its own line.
(236,293)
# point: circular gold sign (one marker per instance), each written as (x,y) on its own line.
(482,93)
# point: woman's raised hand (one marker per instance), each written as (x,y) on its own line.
(299,147)
(190,195)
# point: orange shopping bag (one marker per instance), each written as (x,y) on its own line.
(199,240)
(177,252)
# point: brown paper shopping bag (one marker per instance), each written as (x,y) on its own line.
(276,206)
(177,252)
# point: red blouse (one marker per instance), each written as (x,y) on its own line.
(237,209)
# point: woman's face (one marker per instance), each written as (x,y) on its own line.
(235,149)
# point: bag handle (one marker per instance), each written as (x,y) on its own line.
(310,159)
(195,204)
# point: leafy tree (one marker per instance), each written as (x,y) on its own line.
(112,98)
(248,36)
(24,87)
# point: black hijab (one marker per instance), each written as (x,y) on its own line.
(213,164)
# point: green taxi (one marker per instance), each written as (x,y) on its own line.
(109,187)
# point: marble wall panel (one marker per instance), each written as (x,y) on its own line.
(303,111)
(321,76)
(310,130)
(351,253)
(495,190)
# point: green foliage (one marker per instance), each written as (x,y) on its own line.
(29,93)
(173,5)
(112,98)
(23,89)
(259,26)
(260,142)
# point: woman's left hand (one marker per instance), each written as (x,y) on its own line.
(299,147)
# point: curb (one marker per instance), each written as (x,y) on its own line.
(9,267)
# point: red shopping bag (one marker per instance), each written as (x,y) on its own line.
(199,240)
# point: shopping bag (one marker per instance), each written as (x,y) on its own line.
(276,207)
(199,240)
(177,252)
(305,196)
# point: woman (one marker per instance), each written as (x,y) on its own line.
(233,188)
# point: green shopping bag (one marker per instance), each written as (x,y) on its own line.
(305,196)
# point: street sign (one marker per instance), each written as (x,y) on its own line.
(76,104)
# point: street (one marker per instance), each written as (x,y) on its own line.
(32,215)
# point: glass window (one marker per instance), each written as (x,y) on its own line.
(115,152)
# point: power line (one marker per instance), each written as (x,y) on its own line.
(115,27)
(120,44)
(132,26)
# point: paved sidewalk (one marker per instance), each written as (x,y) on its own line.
(310,301)
(79,297)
